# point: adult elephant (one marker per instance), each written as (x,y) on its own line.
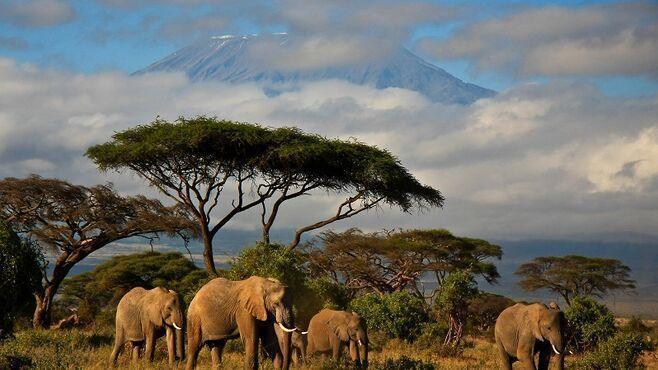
(145,315)
(223,309)
(524,330)
(329,331)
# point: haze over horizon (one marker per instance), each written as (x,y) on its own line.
(567,149)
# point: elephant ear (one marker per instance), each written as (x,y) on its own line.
(534,320)
(252,299)
(154,305)
(338,324)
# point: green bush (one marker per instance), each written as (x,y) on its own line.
(51,349)
(403,363)
(589,322)
(431,335)
(398,315)
(621,351)
(20,277)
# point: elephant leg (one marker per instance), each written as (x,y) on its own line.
(216,350)
(251,352)
(526,357)
(171,345)
(136,349)
(118,346)
(193,345)
(505,360)
(150,346)
(249,334)
(336,348)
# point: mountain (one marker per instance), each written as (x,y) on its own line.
(228,58)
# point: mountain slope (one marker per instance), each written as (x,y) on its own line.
(227,58)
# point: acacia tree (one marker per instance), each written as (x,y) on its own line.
(574,276)
(387,262)
(196,161)
(72,221)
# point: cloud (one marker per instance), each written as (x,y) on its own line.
(617,39)
(322,33)
(13,43)
(36,13)
(538,160)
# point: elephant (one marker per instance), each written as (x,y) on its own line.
(225,309)
(524,330)
(329,331)
(145,315)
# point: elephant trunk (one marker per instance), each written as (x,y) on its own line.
(557,344)
(180,343)
(285,321)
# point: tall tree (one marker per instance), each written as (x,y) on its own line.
(387,262)
(73,221)
(574,276)
(218,169)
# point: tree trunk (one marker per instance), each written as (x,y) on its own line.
(42,317)
(208,257)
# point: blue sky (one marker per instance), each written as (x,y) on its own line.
(121,35)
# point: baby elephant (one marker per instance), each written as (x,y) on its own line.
(329,331)
(524,330)
(144,315)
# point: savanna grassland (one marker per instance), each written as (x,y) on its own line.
(89,348)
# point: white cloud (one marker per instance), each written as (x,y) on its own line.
(617,39)
(36,13)
(538,160)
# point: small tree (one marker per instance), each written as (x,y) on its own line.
(195,162)
(458,288)
(20,277)
(73,221)
(573,276)
(398,315)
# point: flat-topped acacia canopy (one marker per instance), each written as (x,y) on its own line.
(191,161)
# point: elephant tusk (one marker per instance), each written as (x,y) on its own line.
(176,326)
(556,351)
(359,342)
(286,329)
(304,332)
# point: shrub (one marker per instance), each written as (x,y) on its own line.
(398,315)
(621,351)
(431,335)
(20,277)
(51,349)
(483,310)
(589,322)
(403,363)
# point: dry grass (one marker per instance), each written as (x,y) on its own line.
(90,349)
